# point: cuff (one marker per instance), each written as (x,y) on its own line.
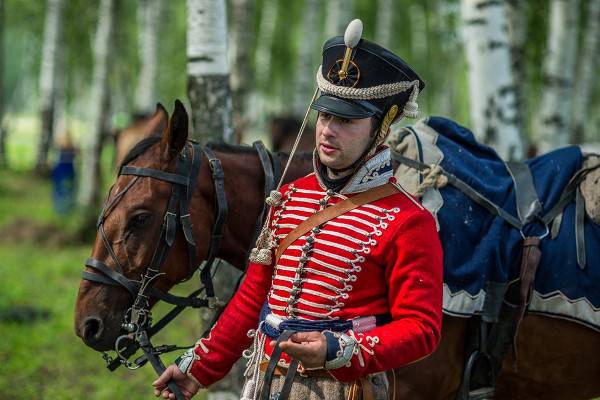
(185,361)
(340,348)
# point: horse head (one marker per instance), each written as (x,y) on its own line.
(132,226)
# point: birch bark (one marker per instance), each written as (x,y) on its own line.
(148,30)
(90,176)
(339,15)
(242,36)
(51,50)
(209,93)
(517,36)
(306,65)
(259,106)
(492,89)
(208,71)
(383,26)
(586,73)
(554,118)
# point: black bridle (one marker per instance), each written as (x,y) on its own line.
(138,319)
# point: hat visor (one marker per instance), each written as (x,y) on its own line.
(344,108)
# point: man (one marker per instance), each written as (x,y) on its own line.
(331,307)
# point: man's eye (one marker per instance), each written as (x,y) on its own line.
(345,121)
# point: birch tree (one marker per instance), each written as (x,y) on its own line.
(90,175)
(586,72)
(242,36)
(306,69)
(554,118)
(149,12)
(339,15)
(259,106)
(383,27)
(517,36)
(493,110)
(51,50)
(208,70)
(209,93)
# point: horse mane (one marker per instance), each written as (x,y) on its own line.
(139,148)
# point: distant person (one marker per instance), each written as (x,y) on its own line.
(63,176)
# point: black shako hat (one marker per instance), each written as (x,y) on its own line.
(360,79)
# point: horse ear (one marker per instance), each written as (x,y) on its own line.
(157,121)
(176,133)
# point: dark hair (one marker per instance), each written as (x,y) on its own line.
(375,124)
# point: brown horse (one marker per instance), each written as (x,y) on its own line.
(556,358)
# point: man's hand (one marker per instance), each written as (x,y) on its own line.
(186,384)
(310,348)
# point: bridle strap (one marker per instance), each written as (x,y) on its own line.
(221,212)
(117,278)
(156,174)
(184,212)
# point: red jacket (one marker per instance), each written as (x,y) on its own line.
(383,257)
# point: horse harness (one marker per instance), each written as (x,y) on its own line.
(505,304)
(138,319)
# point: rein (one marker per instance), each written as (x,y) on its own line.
(138,319)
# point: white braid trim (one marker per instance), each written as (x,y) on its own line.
(374,92)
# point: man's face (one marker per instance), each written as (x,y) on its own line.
(340,142)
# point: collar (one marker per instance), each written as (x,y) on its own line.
(375,171)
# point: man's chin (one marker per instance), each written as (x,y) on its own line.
(332,165)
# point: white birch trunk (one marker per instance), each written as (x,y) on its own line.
(90,175)
(517,35)
(242,30)
(339,15)
(259,106)
(554,118)
(383,27)
(445,21)
(586,73)
(208,70)
(491,86)
(50,47)
(208,89)
(149,12)
(306,69)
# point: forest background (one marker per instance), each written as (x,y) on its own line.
(76,71)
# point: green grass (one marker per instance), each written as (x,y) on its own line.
(43,358)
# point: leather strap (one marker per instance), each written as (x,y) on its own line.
(580,228)
(529,264)
(368,392)
(156,174)
(270,371)
(528,203)
(334,211)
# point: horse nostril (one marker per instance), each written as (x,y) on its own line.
(92,329)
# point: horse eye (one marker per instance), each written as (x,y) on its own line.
(140,220)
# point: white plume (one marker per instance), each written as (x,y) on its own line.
(353,33)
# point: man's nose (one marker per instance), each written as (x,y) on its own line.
(330,128)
